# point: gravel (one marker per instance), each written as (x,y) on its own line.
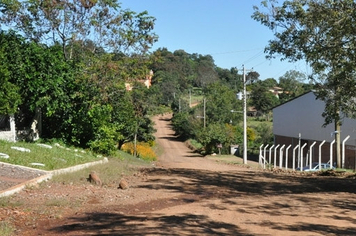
(11,175)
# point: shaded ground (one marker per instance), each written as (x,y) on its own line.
(186,194)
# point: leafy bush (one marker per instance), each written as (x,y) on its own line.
(105,141)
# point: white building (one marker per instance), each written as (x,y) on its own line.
(302,117)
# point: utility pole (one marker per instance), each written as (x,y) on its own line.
(245,116)
(204,113)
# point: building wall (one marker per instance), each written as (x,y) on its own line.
(303,116)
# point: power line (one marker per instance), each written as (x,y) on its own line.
(253,57)
(233,52)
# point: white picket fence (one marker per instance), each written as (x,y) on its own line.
(265,158)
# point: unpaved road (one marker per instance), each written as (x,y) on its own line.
(185,194)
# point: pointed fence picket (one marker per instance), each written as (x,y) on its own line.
(309,158)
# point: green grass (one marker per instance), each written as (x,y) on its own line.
(7,202)
(53,158)
(6,229)
(254,122)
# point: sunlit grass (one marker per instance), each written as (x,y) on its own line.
(35,155)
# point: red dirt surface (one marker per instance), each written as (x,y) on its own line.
(186,194)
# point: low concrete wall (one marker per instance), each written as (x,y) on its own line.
(48,176)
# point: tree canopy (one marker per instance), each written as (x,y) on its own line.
(64,22)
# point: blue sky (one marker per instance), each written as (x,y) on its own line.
(223,29)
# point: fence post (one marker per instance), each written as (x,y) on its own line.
(301,156)
(331,153)
(275,156)
(343,151)
(260,158)
(281,156)
(320,153)
(264,153)
(311,154)
(269,154)
(287,149)
(294,149)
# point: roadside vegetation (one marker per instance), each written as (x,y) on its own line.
(54,156)
(88,93)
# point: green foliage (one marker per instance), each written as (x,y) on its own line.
(220,100)
(105,141)
(264,133)
(114,28)
(211,136)
(262,99)
(9,94)
(322,33)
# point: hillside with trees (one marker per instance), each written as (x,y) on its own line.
(70,79)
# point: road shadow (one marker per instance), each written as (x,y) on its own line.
(153,224)
(231,188)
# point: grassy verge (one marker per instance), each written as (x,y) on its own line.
(110,173)
(6,229)
(44,156)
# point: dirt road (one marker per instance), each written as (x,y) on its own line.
(186,194)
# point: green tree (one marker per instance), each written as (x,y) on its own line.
(322,34)
(9,94)
(220,100)
(102,21)
(292,83)
(37,72)
(262,99)
(269,83)
(214,135)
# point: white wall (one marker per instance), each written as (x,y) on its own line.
(9,135)
(304,115)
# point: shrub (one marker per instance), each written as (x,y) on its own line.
(143,150)
(105,141)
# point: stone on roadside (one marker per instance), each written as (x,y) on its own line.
(123,184)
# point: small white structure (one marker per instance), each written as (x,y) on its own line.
(9,134)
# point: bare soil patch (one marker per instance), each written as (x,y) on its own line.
(186,194)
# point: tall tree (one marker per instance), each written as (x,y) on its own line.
(63,22)
(220,100)
(262,98)
(321,32)
(9,94)
(292,83)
